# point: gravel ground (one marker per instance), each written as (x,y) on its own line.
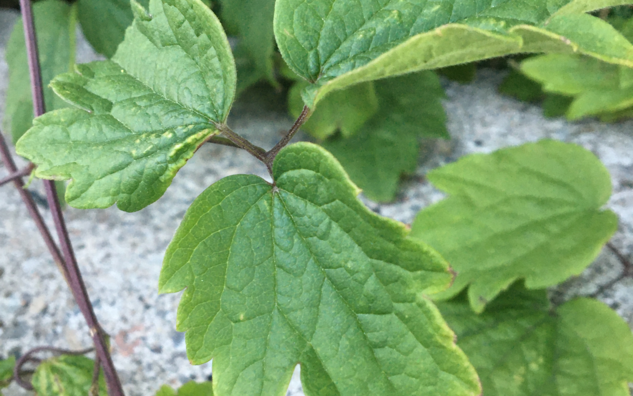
(120,254)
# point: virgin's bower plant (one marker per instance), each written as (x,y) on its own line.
(296,270)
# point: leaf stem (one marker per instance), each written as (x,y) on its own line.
(270,155)
(239,142)
(75,279)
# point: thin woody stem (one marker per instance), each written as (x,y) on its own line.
(76,282)
(17,175)
(34,212)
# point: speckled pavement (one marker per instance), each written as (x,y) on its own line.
(120,254)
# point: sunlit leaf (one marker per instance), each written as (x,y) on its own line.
(138,118)
(66,375)
(334,44)
(302,272)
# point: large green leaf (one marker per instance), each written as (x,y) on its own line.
(252,20)
(337,43)
(189,389)
(522,347)
(66,376)
(55,25)
(6,372)
(138,118)
(301,271)
(388,145)
(346,110)
(103,22)
(597,88)
(531,212)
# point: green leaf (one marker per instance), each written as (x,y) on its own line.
(196,389)
(104,22)
(252,20)
(66,375)
(188,389)
(138,118)
(463,74)
(518,86)
(334,44)
(55,25)
(345,110)
(302,272)
(531,212)
(6,371)
(597,88)
(387,146)
(521,347)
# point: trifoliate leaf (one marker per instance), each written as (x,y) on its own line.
(334,44)
(252,20)
(188,389)
(345,110)
(66,375)
(302,272)
(6,371)
(387,145)
(596,87)
(531,212)
(55,25)
(521,347)
(104,22)
(138,118)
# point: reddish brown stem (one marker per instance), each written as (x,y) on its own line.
(17,175)
(27,198)
(75,279)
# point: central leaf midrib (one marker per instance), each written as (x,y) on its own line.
(326,277)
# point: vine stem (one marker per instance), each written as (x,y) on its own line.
(17,175)
(35,214)
(626,272)
(75,279)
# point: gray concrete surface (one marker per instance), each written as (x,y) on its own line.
(120,254)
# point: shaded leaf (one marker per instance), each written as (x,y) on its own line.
(463,74)
(345,110)
(252,20)
(104,22)
(6,371)
(132,126)
(334,44)
(303,272)
(518,86)
(387,145)
(66,375)
(596,87)
(55,25)
(531,212)
(521,347)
